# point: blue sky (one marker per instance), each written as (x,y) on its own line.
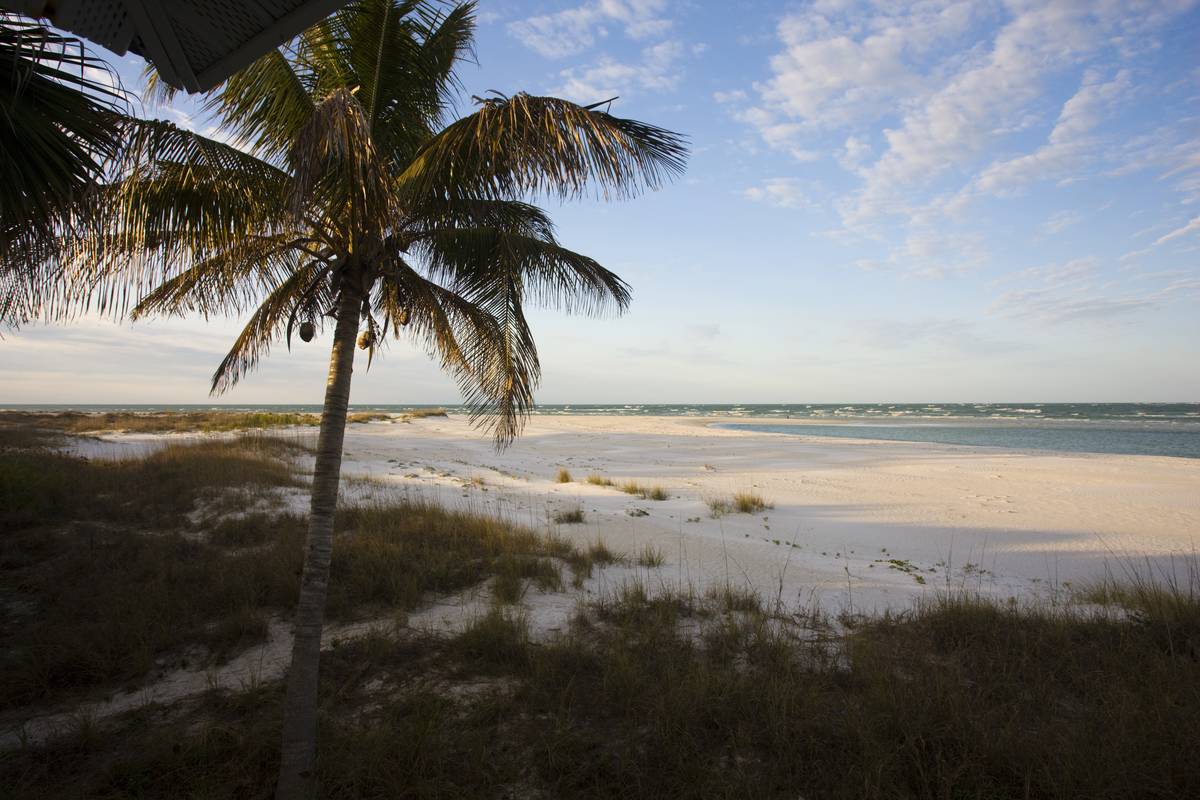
(888,202)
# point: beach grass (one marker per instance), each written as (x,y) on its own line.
(563,476)
(596,479)
(643,491)
(743,502)
(650,556)
(691,694)
(106,582)
(157,421)
(568,516)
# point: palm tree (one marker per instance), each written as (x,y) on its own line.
(352,203)
(60,116)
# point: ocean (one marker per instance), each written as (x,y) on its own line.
(1160,429)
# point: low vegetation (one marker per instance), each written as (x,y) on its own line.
(564,476)
(650,691)
(665,694)
(568,516)
(651,557)
(108,567)
(77,422)
(599,480)
(156,421)
(644,492)
(746,502)
(422,413)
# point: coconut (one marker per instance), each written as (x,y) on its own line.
(307,330)
(365,339)
(402,317)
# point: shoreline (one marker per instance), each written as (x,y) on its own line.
(861,522)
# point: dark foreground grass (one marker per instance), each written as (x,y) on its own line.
(110,570)
(663,695)
(648,694)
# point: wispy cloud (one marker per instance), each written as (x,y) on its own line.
(778,192)
(657,70)
(928,91)
(1061,220)
(1073,303)
(574,30)
(1188,229)
(944,335)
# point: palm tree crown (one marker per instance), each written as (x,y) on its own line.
(348,182)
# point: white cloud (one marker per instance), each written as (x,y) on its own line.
(778,192)
(1185,230)
(1053,308)
(950,81)
(854,152)
(850,61)
(657,71)
(933,255)
(1061,220)
(957,122)
(574,30)
(1069,292)
(734,96)
(1068,145)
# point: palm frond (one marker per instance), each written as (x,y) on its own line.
(442,213)
(60,115)
(229,282)
(513,146)
(335,167)
(265,326)
(264,105)
(176,198)
(487,346)
(550,275)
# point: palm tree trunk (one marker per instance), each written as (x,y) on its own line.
(297,768)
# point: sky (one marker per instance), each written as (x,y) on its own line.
(886,202)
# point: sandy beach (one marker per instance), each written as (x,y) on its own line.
(858,523)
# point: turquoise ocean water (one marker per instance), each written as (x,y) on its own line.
(1164,429)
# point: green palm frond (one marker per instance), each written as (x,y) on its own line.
(265,105)
(60,107)
(441,213)
(175,198)
(61,110)
(524,144)
(550,275)
(230,282)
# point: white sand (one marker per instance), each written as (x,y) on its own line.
(1005,522)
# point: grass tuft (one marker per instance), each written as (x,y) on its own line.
(563,476)
(651,557)
(570,516)
(745,502)
(644,492)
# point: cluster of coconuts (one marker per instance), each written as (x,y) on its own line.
(365,339)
